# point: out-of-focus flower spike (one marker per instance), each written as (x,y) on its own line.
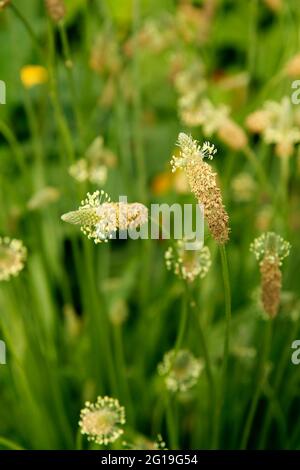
(56,9)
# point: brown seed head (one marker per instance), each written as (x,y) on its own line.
(271,280)
(270,249)
(203,183)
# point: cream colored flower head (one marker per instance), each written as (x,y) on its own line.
(180,370)
(100,218)
(210,117)
(213,120)
(278,123)
(102,421)
(12,257)
(188,264)
(270,245)
(95,164)
(190,151)
(203,182)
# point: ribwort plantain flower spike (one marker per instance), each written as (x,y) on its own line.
(181,370)
(188,264)
(203,183)
(100,218)
(270,249)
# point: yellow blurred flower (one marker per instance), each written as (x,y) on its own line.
(32,75)
(165,182)
(162,183)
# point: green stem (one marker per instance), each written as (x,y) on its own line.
(183,322)
(223,387)
(15,146)
(9,444)
(285,170)
(100,334)
(78,441)
(59,115)
(227,294)
(69,68)
(121,364)
(38,175)
(171,424)
(258,168)
(124,140)
(259,384)
(278,378)
(137,111)
(208,370)
(252,41)
(27,26)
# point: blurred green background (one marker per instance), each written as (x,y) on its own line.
(83,320)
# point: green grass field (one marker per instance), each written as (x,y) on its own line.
(170,348)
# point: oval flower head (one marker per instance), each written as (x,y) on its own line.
(270,249)
(188,264)
(181,371)
(100,218)
(102,421)
(95,164)
(203,184)
(12,257)
(213,119)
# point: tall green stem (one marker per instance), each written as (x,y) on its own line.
(9,444)
(70,75)
(255,163)
(258,385)
(208,369)
(121,364)
(27,26)
(137,109)
(183,322)
(171,423)
(63,127)
(281,367)
(15,146)
(223,385)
